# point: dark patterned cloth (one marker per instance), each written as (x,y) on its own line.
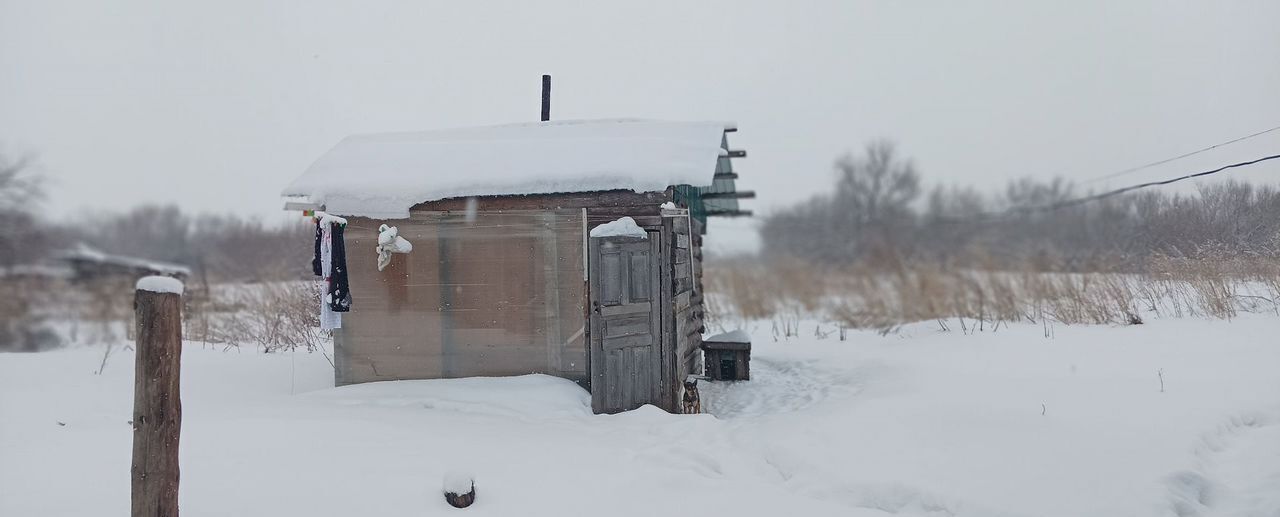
(339,290)
(315,259)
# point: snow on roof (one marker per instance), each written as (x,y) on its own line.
(383,175)
(88,253)
(735,336)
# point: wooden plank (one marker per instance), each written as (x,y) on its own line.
(729,213)
(738,194)
(682,256)
(722,345)
(602,393)
(671,381)
(648,222)
(697,358)
(551,289)
(683,300)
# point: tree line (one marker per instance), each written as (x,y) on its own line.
(879,213)
(216,247)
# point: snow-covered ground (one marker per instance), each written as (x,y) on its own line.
(919,422)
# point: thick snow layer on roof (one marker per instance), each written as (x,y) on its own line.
(160,284)
(383,175)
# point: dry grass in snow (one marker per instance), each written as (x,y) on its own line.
(885,298)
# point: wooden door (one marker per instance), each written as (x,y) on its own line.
(626,368)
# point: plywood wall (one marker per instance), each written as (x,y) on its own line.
(493,293)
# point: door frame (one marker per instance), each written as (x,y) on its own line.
(595,364)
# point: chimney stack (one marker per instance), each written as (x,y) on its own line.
(546,97)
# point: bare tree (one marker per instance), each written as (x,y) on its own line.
(870,207)
(877,186)
(22,240)
(21,236)
(871,219)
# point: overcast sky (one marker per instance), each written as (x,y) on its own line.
(218,105)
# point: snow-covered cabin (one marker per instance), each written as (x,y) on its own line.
(569,248)
(90,264)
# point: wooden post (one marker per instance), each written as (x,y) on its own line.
(546,98)
(157,409)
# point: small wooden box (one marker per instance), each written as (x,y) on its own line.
(727,357)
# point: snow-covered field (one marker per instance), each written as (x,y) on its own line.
(919,422)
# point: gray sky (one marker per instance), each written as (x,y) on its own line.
(218,105)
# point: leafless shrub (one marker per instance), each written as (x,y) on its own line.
(275,316)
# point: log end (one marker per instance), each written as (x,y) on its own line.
(459,490)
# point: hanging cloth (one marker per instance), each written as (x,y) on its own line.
(323,263)
(315,258)
(339,290)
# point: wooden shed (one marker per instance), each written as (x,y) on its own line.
(505,276)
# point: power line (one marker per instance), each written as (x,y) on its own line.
(1179,157)
(1026,210)
(1109,193)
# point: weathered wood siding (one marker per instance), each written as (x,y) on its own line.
(686,258)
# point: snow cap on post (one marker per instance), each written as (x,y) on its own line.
(160,284)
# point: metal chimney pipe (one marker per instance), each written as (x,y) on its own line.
(546,97)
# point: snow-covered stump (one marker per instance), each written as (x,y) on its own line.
(157,408)
(459,489)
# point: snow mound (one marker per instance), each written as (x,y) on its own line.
(530,396)
(624,227)
(160,284)
(382,175)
